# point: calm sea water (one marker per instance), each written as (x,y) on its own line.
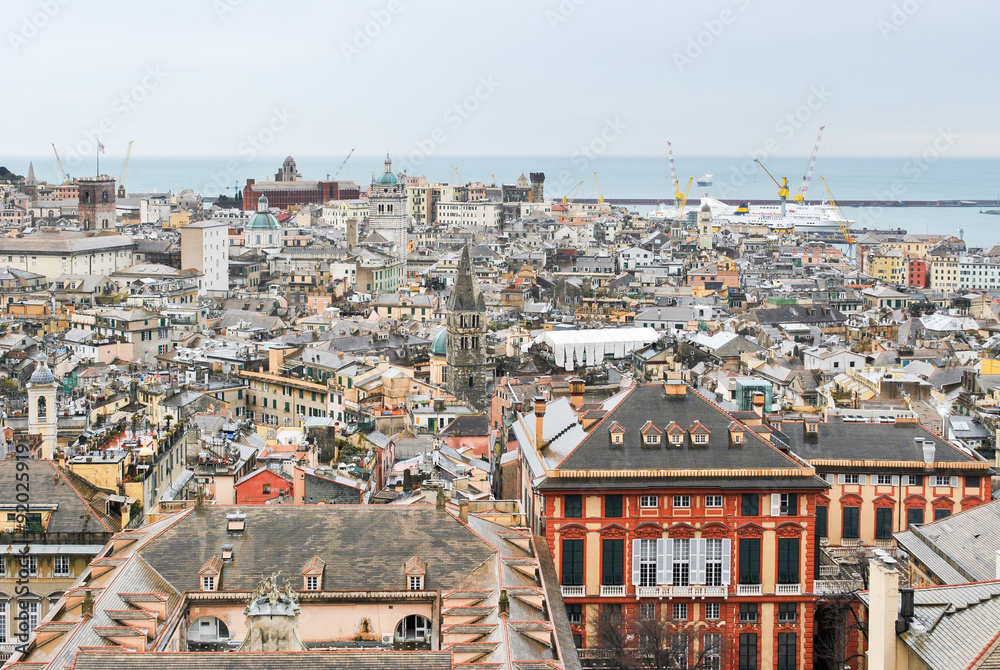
(887,179)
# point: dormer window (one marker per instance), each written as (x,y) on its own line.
(652,439)
(208,583)
(312,583)
(415,569)
(617,434)
(677,438)
(416,582)
(701,439)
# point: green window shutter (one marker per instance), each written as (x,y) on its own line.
(914,516)
(788,560)
(822,513)
(750,504)
(750,560)
(883,523)
(613,555)
(572,562)
(851,522)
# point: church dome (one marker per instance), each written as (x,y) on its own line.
(263,219)
(42,375)
(439,344)
(387,178)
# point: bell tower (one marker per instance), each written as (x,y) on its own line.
(466,349)
(42,410)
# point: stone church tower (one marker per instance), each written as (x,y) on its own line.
(387,209)
(42,410)
(466,352)
(705,227)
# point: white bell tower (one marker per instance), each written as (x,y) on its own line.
(43,419)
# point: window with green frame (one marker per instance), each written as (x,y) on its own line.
(852,518)
(883,523)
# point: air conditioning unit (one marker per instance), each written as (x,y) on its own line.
(387,638)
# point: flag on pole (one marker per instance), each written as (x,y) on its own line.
(100,147)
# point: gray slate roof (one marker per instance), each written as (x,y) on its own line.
(358,543)
(869,441)
(959,548)
(49,486)
(647,402)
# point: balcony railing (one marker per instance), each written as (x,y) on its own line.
(749,590)
(572,591)
(6,650)
(829,570)
(612,591)
(787,589)
(695,591)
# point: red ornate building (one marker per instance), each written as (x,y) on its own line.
(660,504)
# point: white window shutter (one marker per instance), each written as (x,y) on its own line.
(636,555)
(895,480)
(862,479)
(775,504)
(698,555)
(954,481)
(841,479)
(664,561)
(727,561)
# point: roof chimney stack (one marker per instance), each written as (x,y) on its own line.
(576,389)
(539,420)
(929,449)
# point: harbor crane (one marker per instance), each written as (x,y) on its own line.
(782,187)
(62,172)
(682,203)
(342,164)
(845,225)
(568,198)
(121,180)
(597,187)
(801,195)
(494,178)
(458,180)
(678,196)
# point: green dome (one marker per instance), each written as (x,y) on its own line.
(263,221)
(387,178)
(439,345)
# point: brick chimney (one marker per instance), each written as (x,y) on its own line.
(577,387)
(539,420)
(883,609)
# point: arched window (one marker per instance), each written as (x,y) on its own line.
(471,380)
(413,627)
(86,198)
(42,407)
(104,197)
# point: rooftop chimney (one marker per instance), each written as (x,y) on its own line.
(905,609)
(539,420)
(576,389)
(883,611)
(463,510)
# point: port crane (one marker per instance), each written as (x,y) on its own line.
(458,180)
(782,187)
(62,172)
(678,196)
(121,180)
(801,195)
(597,187)
(568,198)
(845,225)
(682,203)
(494,178)
(342,164)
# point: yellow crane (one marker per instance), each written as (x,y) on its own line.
(682,202)
(568,198)
(845,225)
(782,187)
(597,187)
(678,196)
(494,180)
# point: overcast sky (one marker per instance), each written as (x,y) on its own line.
(518,77)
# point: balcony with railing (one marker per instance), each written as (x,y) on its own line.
(693,591)
(749,590)
(787,589)
(572,591)
(613,591)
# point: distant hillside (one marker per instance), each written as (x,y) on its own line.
(9,177)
